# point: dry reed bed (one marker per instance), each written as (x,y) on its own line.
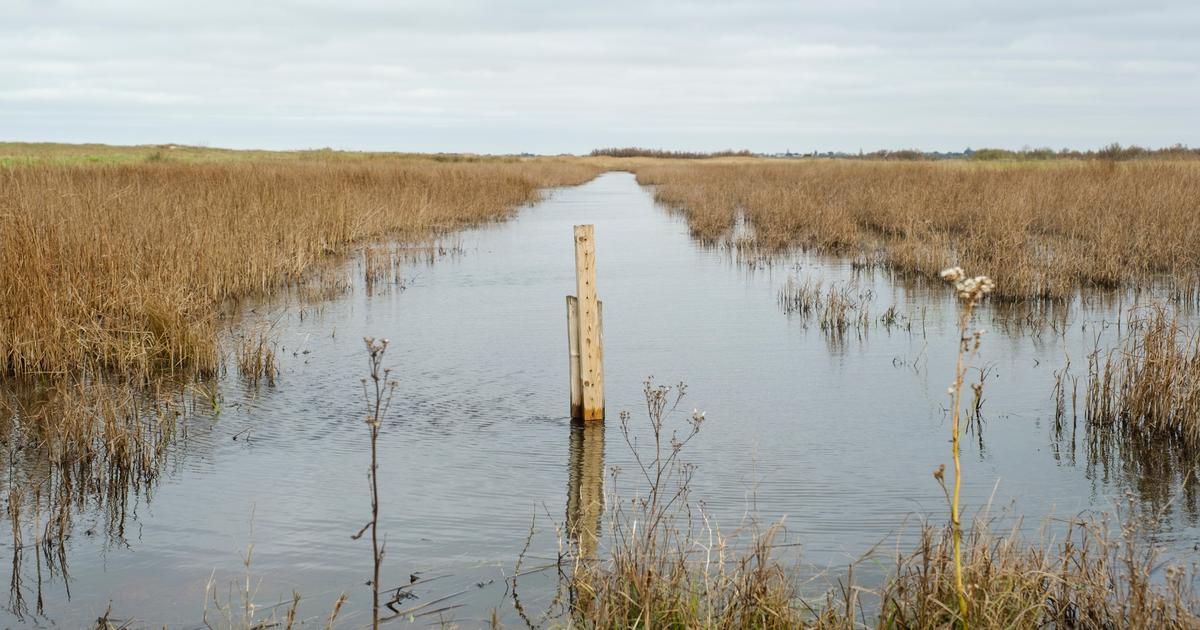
(1047,229)
(124,268)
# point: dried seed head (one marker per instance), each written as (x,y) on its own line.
(952,274)
(969,290)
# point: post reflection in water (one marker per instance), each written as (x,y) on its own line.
(585,485)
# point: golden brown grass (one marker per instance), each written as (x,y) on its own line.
(1047,229)
(125,268)
(1150,383)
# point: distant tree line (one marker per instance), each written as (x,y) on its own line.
(625,152)
(1111,152)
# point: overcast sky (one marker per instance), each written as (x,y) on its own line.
(551,76)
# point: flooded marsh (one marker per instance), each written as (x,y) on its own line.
(821,380)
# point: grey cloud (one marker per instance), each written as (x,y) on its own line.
(552,76)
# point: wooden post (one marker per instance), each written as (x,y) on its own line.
(573,356)
(573,351)
(591,350)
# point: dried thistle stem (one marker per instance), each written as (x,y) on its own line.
(970,291)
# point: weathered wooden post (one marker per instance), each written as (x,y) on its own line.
(573,356)
(573,351)
(584,332)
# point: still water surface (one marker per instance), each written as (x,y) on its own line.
(839,437)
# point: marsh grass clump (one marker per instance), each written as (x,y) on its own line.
(801,297)
(327,282)
(89,429)
(890,317)
(1150,383)
(843,309)
(837,307)
(382,267)
(256,356)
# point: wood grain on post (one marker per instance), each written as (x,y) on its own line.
(591,352)
(573,351)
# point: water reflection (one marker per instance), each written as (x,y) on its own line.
(87,450)
(585,486)
(1159,472)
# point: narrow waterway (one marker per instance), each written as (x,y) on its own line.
(838,435)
